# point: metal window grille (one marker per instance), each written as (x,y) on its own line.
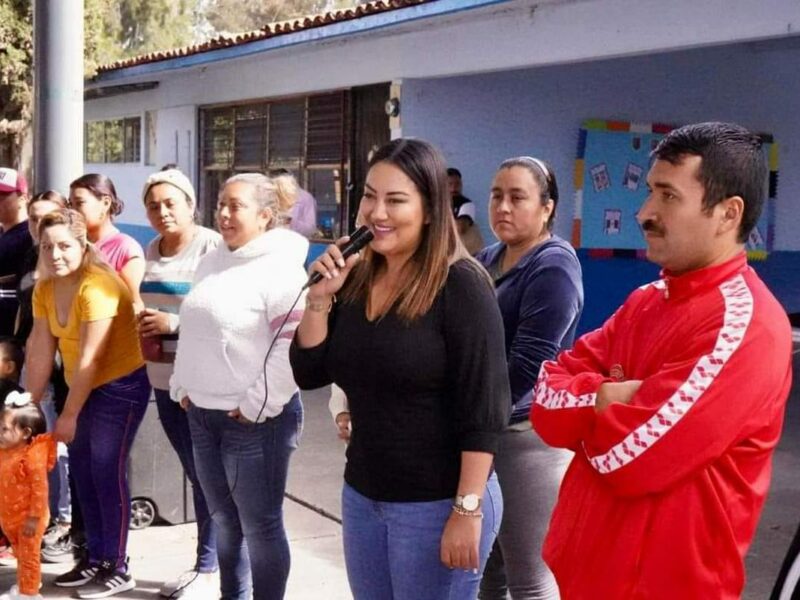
(308,136)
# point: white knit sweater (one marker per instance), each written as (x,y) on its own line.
(228,320)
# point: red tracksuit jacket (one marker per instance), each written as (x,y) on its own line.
(663,495)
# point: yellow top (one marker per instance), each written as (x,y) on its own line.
(101,295)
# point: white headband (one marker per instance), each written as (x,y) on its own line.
(539,164)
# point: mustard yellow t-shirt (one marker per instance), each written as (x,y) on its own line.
(101,295)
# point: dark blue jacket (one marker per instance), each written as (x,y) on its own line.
(541,299)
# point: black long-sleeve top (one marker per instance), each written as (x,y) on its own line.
(419,393)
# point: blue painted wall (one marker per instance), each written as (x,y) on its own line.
(480,120)
(141,233)
(607,282)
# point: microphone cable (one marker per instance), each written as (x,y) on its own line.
(358,239)
(179,591)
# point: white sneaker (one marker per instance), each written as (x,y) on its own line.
(192,585)
(13,594)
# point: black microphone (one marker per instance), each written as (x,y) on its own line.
(358,239)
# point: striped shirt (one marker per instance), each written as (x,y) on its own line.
(167,280)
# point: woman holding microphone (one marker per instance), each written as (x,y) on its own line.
(415,340)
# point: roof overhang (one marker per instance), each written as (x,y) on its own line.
(359,26)
(115,90)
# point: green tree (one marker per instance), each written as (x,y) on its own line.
(113,29)
(16,59)
(117,29)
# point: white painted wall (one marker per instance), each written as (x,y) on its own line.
(479,120)
(513,34)
(176,129)
(128,180)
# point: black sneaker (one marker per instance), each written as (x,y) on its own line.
(82,573)
(107,581)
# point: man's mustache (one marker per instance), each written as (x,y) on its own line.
(650,226)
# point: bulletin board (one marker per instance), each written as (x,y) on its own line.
(610,186)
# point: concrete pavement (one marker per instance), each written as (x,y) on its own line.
(160,553)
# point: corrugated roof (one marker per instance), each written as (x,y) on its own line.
(268,31)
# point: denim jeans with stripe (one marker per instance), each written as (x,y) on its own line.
(98,463)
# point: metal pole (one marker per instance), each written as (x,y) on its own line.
(58,93)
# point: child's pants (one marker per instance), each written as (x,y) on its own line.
(26,549)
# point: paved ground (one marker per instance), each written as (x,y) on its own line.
(160,552)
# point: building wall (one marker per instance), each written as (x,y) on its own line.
(447,37)
(479,120)
(466,36)
(175,131)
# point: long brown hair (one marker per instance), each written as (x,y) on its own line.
(76,225)
(426,271)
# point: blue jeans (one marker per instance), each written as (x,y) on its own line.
(176,427)
(391,549)
(98,463)
(242,469)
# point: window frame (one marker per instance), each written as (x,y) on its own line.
(211,175)
(130,153)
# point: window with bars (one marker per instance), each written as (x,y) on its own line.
(307,136)
(113,141)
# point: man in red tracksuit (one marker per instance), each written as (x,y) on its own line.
(674,406)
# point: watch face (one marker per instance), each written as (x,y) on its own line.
(470,502)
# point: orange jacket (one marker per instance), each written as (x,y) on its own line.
(663,495)
(23,480)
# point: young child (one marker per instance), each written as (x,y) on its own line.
(11,359)
(26,454)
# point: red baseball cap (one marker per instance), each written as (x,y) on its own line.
(12,181)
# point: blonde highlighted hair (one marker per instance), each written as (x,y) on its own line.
(76,225)
(276,194)
(425,274)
